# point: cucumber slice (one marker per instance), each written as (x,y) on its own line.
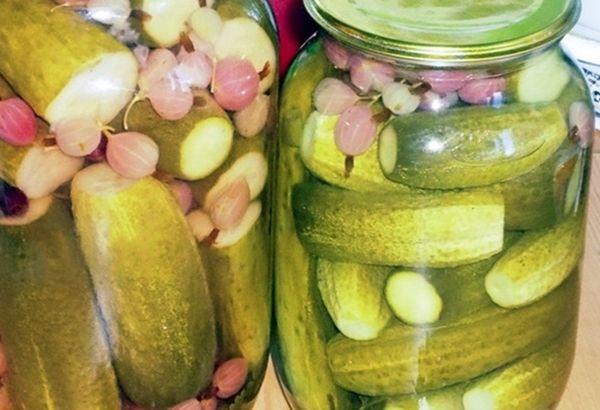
(454,150)
(406,359)
(35,169)
(206,24)
(191,148)
(353,295)
(303,325)
(243,317)
(542,79)
(165,21)
(323,158)
(244,38)
(412,298)
(150,283)
(399,229)
(535,382)
(538,263)
(74,68)
(51,331)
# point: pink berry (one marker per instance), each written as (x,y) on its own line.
(170,99)
(337,54)
(159,64)
(369,75)
(445,81)
(18,126)
(235,84)
(195,69)
(183,193)
(231,205)
(483,91)
(132,155)
(333,97)
(78,137)
(356,130)
(230,377)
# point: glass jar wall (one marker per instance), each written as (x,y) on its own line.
(135,144)
(430,213)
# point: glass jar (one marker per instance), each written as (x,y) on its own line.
(135,146)
(430,206)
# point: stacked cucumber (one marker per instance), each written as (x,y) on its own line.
(134,160)
(429,227)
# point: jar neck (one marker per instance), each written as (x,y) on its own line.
(464,57)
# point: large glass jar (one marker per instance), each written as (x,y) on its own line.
(135,145)
(430,206)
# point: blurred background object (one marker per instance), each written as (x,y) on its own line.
(295,27)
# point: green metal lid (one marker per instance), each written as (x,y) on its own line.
(446,30)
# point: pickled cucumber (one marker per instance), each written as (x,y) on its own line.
(405,359)
(324,159)
(62,65)
(436,230)
(150,283)
(471,146)
(353,295)
(242,315)
(303,325)
(309,68)
(51,330)
(538,263)
(535,382)
(35,169)
(191,148)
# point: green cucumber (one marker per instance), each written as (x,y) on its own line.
(535,382)
(240,285)
(323,158)
(539,262)
(534,200)
(532,383)
(74,69)
(406,359)
(412,298)
(353,295)
(470,146)
(437,229)
(542,79)
(308,69)
(151,285)
(162,21)
(303,325)
(51,330)
(191,148)
(35,169)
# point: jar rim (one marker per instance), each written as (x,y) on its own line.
(437,53)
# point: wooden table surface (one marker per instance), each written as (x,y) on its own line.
(583,392)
